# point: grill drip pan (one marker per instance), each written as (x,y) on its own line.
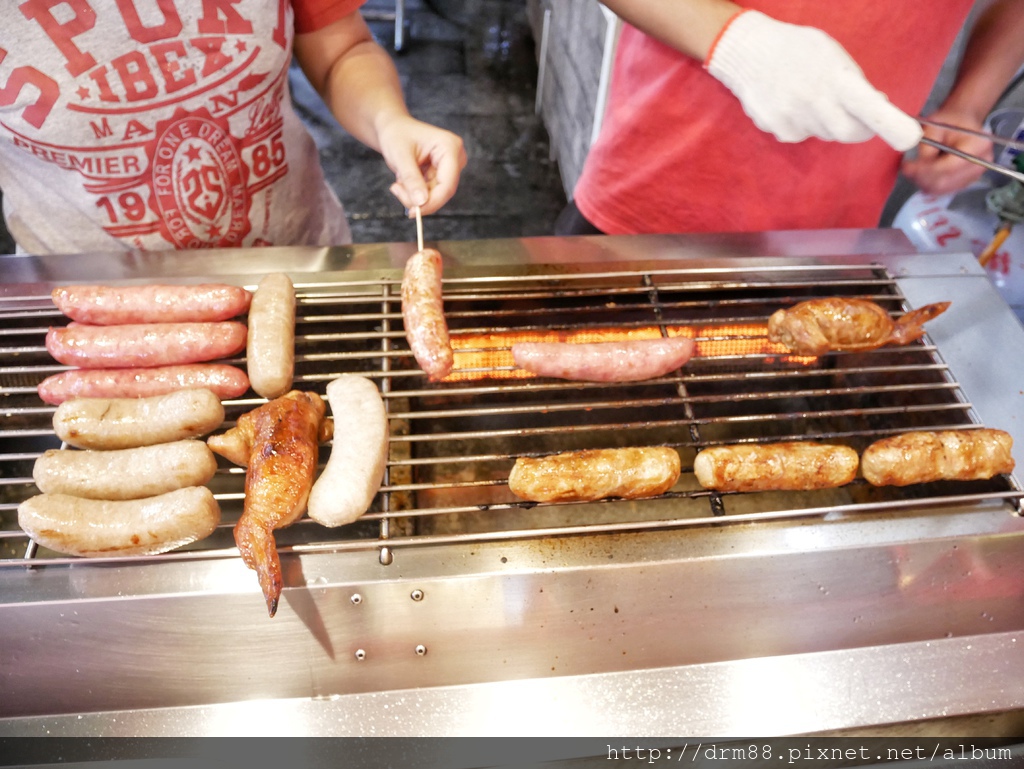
(451,600)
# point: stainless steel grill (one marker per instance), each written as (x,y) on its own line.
(454,608)
(454,443)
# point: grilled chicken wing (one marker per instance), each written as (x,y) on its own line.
(817,326)
(278,443)
(923,457)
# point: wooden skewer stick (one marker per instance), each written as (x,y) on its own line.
(990,250)
(419,229)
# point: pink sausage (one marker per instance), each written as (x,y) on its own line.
(117,305)
(144,344)
(628,361)
(423,314)
(225,381)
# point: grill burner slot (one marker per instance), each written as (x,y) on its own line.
(454,443)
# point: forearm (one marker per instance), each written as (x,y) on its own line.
(994,53)
(364,93)
(355,77)
(358,81)
(689,26)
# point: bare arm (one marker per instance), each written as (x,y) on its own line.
(994,53)
(690,27)
(358,81)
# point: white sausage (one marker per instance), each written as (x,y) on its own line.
(91,527)
(355,468)
(125,473)
(124,423)
(270,348)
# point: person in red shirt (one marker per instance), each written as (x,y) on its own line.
(783,114)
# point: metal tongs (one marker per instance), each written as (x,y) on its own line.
(1017,145)
(1006,218)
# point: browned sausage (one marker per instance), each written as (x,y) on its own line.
(225,381)
(630,473)
(117,305)
(787,466)
(423,314)
(923,457)
(144,344)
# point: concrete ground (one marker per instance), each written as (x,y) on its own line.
(469,67)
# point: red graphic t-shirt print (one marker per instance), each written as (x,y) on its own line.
(177,122)
(198,182)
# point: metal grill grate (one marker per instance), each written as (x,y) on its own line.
(453,443)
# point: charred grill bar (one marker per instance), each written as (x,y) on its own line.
(452,587)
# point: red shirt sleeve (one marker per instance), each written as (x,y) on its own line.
(311,15)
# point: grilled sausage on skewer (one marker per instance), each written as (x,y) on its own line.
(355,468)
(92,527)
(630,473)
(124,423)
(817,326)
(423,314)
(223,380)
(270,355)
(787,466)
(125,473)
(116,305)
(144,344)
(627,361)
(951,455)
(279,442)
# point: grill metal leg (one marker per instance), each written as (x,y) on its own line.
(398,16)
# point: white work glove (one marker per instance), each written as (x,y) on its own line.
(795,82)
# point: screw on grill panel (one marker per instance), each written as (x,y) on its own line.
(360,654)
(421,650)
(356,598)
(717,507)
(416,595)
(386,556)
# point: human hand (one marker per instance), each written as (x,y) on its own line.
(797,82)
(427,162)
(939,173)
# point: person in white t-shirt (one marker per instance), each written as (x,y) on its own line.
(158,126)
